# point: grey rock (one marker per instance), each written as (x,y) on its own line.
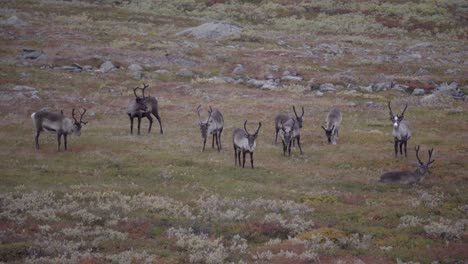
(75,68)
(400,87)
(239,69)
(24,88)
(274,68)
(107,66)
(87,68)
(213,30)
(410,57)
(424,45)
(291,78)
(449,90)
(162,71)
(318,93)
(221,79)
(256,83)
(366,88)
(15,21)
(135,67)
(184,73)
(419,92)
(137,75)
(382,86)
(329,49)
(327,87)
(33,55)
(269,84)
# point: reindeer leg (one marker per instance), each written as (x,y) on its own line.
(299,143)
(289,148)
(160,125)
(150,119)
(131,124)
(396,148)
(406,143)
(251,160)
(212,141)
(218,145)
(235,156)
(243,158)
(139,124)
(284,148)
(65,141)
(36,138)
(59,139)
(401,148)
(219,136)
(276,135)
(239,156)
(204,143)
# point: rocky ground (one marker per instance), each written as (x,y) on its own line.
(117,198)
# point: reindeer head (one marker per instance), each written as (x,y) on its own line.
(396,119)
(299,119)
(204,125)
(78,124)
(141,105)
(252,137)
(329,133)
(423,168)
(287,131)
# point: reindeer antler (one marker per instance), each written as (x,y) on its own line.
(245,127)
(144,88)
(294,109)
(390,108)
(302,112)
(417,154)
(430,156)
(198,112)
(73,115)
(134,91)
(258,129)
(81,116)
(403,113)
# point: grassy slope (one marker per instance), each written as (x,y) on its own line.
(340,181)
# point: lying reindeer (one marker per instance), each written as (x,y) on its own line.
(409,177)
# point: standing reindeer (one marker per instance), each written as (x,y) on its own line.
(334,119)
(213,125)
(58,123)
(136,109)
(287,135)
(401,131)
(409,177)
(282,118)
(244,142)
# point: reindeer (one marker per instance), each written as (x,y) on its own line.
(287,134)
(410,177)
(244,142)
(401,131)
(282,118)
(58,123)
(213,125)
(334,118)
(136,109)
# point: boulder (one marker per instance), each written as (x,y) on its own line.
(107,66)
(239,69)
(291,78)
(366,88)
(213,30)
(327,87)
(33,55)
(382,86)
(15,21)
(135,67)
(449,90)
(184,73)
(419,92)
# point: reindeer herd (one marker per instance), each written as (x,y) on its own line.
(287,127)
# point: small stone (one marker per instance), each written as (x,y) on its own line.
(15,21)
(107,66)
(418,92)
(382,86)
(135,67)
(24,88)
(327,87)
(31,54)
(239,69)
(162,71)
(366,88)
(290,78)
(318,93)
(184,73)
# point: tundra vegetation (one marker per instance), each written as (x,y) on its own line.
(117,198)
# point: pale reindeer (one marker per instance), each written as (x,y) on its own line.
(287,135)
(244,142)
(410,177)
(54,122)
(401,131)
(212,126)
(334,119)
(282,118)
(135,109)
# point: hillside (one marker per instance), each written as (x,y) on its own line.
(151,198)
